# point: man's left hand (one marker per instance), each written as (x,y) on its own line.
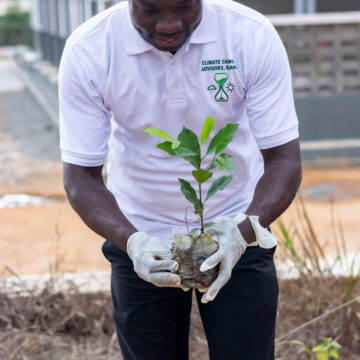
(232,246)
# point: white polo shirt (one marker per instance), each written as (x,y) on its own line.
(113,85)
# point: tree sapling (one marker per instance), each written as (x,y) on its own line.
(192,249)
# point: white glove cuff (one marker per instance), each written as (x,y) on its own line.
(236,233)
(264,238)
(133,241)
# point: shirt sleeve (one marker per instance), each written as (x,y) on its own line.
(269,98)
(84,119)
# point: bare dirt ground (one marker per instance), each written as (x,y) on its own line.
(33,237)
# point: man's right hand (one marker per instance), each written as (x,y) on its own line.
(152,260)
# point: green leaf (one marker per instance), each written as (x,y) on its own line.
(304,347)
(222,162)
(194,231)
(208,126)
(223,144)
(188,155)
(229,166)
(319,348)
(181,151)
(222,138)
(334,353)
(322,356)
(209,225)
(189,148)
(175,145)
(201,175)
(218,184)
(190,194)
(189,140)
(167,146)
(160,133)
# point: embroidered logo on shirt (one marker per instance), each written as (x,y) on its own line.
(218,65)
(221,79)
(221,68)
(230,87)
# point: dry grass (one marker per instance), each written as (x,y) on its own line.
(78,326)
(56,326)
(317,294)
(299,303)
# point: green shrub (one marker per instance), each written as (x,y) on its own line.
(15,27)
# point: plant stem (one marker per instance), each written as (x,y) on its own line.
(201,212)
(212,162)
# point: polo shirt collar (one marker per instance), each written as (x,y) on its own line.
(134,42)
(205,32)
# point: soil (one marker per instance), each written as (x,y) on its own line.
(191,252)
(34,227)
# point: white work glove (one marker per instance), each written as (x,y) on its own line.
(151,258)
(231,247)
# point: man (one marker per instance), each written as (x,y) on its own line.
(168,64)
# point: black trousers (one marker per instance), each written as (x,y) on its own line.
(152,323)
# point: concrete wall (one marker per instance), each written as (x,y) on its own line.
(329,117)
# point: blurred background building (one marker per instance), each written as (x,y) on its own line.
(301,6)
(322,38)
(6,4)
(54,20)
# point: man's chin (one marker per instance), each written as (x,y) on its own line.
(169,49)
(170,44)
